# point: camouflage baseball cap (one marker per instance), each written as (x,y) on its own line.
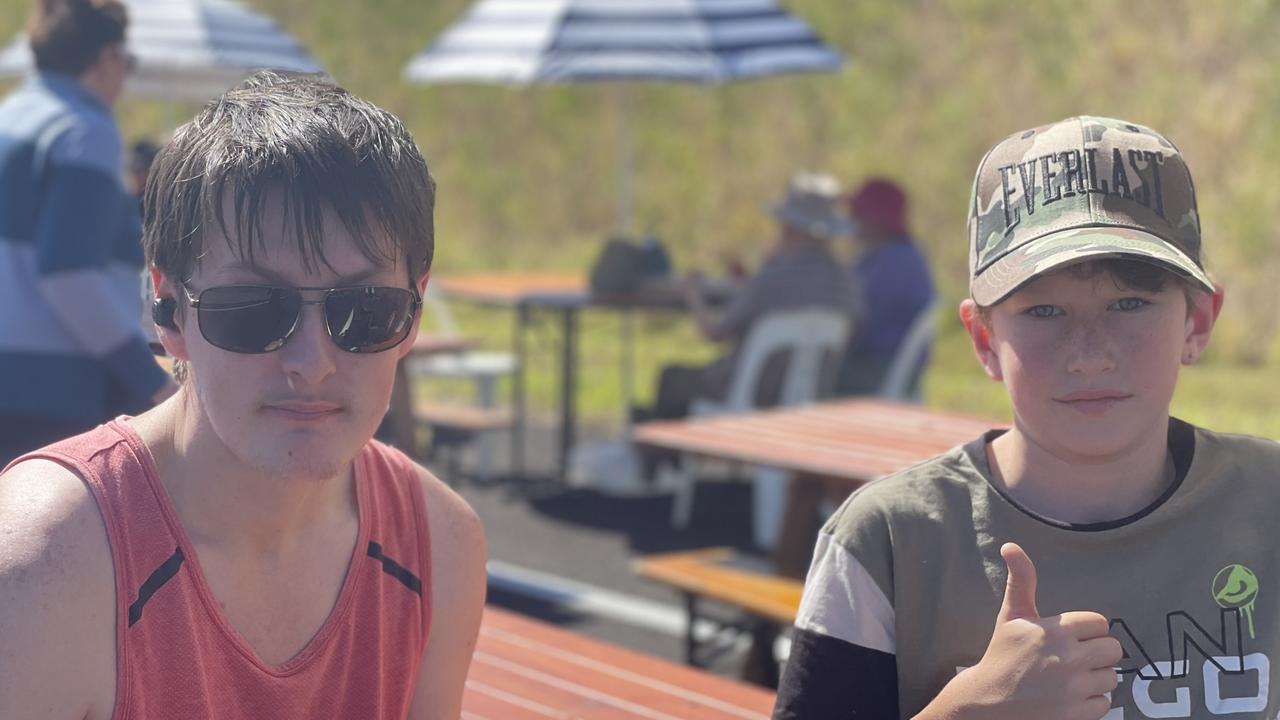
(1079,189)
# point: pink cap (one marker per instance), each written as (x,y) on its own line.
(881,202)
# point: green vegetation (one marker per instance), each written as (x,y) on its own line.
(527,175)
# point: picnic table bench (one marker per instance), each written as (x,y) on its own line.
(722,575)
(524,669)
(832,448)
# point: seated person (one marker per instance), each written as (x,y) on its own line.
(799,272)
(894,278)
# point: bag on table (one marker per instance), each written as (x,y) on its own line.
(625,265)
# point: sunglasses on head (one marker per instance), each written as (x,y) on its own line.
(254,319)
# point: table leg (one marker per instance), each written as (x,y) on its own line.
(401,411)
(760,666)
(568,389)
(519,348)
(795,540)
(691,620)
(628,370)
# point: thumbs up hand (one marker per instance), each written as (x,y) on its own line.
(1019,587)
(1053,668)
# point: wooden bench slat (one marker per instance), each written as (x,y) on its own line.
(523,683)
(705,573)
(490,698)
(585,678)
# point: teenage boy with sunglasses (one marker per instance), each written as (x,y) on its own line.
(1152,591)
(245,550)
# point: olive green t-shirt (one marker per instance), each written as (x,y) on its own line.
(909,568)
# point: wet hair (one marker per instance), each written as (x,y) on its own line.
(300,140)
(67,36)
(1127,274)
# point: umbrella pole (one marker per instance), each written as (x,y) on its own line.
(625,160)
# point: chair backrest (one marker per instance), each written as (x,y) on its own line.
(808,336)
(904,370)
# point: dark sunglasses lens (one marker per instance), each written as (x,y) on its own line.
(248,319)
(369,319)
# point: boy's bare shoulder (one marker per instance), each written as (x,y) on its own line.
(57,590)
(452,520)
(50,522)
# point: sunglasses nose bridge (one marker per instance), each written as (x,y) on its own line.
(308,350)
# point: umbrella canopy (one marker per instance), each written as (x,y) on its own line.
(528,42)
(192,49)
(525,42)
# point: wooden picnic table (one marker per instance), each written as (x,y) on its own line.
(565,294)
(832,447)
(525,669)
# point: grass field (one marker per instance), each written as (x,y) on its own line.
(1223,396)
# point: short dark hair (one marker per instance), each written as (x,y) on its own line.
(305,140)
(67,36)
(1128,274)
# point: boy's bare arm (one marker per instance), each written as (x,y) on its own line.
(57,587)
(1055,668)
(458,583)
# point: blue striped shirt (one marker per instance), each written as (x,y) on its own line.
(70,259)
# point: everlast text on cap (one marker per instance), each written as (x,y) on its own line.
(1079,189)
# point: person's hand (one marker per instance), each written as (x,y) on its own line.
(1053,668)
(165,392)
(734,268)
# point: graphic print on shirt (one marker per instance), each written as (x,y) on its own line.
(1235,586)
(1231,680)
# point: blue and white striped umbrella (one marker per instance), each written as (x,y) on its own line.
(532,42)
(192,49)
(524,42)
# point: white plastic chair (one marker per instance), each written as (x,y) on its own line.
(908,359)
(484,368)
(808,336)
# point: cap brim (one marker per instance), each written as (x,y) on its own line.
(834,226)
(1069,247)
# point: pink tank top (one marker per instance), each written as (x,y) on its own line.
(177,657)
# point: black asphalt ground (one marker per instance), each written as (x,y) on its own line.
(585,536)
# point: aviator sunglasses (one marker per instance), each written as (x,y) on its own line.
(253,319)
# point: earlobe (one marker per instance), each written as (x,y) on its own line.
(1201,318)
(980,337)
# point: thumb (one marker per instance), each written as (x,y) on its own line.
(1020,588)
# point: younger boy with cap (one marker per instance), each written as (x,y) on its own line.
(1150,593)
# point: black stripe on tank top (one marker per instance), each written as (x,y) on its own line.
(395,569)
(158,578)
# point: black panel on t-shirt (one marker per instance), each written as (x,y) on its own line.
(829,679)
